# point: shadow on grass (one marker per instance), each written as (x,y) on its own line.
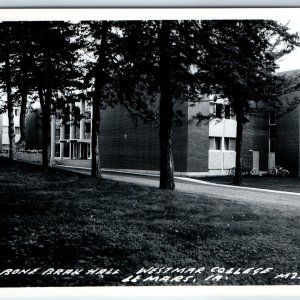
(62,220)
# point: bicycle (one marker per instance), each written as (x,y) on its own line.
(245,171)
(278,171)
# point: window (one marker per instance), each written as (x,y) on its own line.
(77,132)
(219,108)
(87,128)
(57,134)
(227,111)
(57,150)
(229,144)
(67,131)
(272,132)
(17,130)
(5,130)
(17,112)
(67,150)
(272,145)
(273,118)
(214,143)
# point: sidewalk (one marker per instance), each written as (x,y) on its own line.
(266,198)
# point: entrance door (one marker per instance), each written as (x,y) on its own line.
(256,161)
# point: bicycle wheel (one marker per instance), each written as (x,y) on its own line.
(272,172)
(253,172)
(284,173)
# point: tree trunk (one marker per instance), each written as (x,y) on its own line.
(99,84)
(10,106)
(165,111)
(22,141)
(95,153)
(24,93)
(46,129)
(45,139)
(239,139)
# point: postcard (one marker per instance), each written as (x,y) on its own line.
(149,152)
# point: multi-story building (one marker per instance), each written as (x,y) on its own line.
(207,148)
(4,138)
(285,138)
(71,139)
(33,129)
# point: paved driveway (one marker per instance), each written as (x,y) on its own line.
(266,198)
(284,201)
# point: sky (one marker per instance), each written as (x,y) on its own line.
(292,60)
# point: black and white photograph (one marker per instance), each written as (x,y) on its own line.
(150,151)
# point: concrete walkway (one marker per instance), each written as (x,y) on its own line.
(266,198)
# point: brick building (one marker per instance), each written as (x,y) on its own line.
(287,139)
(207,148)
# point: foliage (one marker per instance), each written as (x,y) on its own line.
(240,60)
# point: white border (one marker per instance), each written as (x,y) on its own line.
(154,14)
(77,14)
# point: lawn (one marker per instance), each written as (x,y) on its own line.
(288,184)
(61,220)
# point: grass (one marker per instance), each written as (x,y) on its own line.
(56,219)
(288,184)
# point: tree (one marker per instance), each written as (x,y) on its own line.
(100,31)
(24,75)
(160,56)
(240,63)
(103,72)
(53,67)
(7,46)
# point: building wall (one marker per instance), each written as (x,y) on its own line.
(198,140)
(288,141)
(5,124)
(133,144)
(256,138)
(128,144)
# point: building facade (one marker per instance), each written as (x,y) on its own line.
(33,129)
(127,144)
(4,138)
(286,139)
(71,139)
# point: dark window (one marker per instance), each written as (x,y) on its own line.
(229,144)
(17,112)
(272,132)
(67,131)
(219,110)
(67,150)
(273,118)
(215,143)
(272,145)
(87,127)
(227,111)
(17,130)
(57,150)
